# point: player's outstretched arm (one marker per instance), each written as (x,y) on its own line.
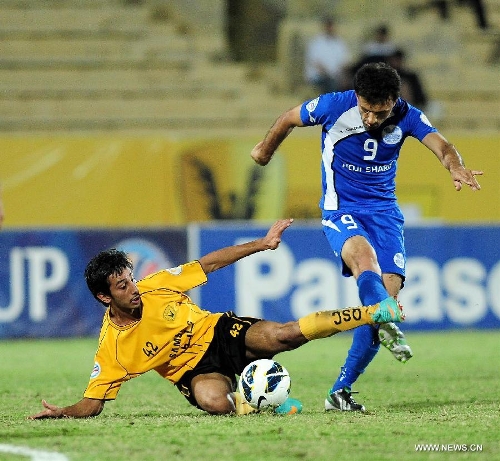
(229,255)
(82,409)
(452,161)
(282,127)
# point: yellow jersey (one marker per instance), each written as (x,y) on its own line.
(171,336)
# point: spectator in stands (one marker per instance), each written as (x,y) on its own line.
(442,7)
(377,49)
(479,11)
(327,56)
(412,89)
(380,46)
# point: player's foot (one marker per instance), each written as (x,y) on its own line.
(289,407)
(392,338)
(342,400)
(240,405)
(388,310)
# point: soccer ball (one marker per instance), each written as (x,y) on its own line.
(264,383)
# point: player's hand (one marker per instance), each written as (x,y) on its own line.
(466,176)
(273,237)
(51,411)
(259,156)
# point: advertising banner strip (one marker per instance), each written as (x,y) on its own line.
(42,288)
(452,276)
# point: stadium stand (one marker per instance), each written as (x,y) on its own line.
(111,65)
(136,66)
(459,64)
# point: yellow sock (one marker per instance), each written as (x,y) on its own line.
(327,323)
(242,407)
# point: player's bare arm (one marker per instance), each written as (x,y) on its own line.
(229,255)
(282,127)
(82,409)
(452,161)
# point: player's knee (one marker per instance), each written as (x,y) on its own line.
(210,391)
(215,403)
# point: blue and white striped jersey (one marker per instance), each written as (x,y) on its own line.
(358,167)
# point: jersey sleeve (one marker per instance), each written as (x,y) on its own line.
(181,278)
(325,109)
(312,112)
(106,378)
(307,112)
(420,126)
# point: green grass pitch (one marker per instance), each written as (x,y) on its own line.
(447,396)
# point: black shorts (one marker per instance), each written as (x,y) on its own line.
(225,355)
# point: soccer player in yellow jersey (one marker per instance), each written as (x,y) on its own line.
(153,325)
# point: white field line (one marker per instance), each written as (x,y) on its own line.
(35,455)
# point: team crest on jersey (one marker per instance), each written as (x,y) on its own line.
(96,371)
(399,260)
(425,120)
(392,134)
(170,313)
(175,270)
(311,105)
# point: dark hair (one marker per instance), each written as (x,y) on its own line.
(328,20)
(377,82)
(382,29)
(101,266)
(398,53)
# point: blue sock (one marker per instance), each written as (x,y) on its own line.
(365,342)
(364,347)
(371,289)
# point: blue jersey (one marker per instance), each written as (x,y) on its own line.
(358,167)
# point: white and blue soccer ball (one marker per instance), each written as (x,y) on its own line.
(264,383)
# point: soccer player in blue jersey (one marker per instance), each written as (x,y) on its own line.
(363,131)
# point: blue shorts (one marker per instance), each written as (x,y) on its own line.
(383,229)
